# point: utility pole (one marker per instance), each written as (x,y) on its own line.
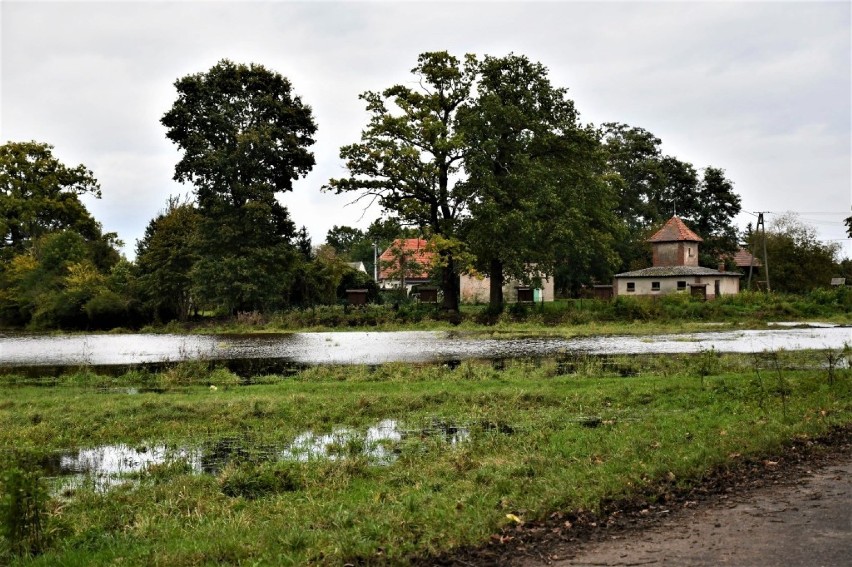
(761,226)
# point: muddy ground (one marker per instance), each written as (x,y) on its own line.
(793,508)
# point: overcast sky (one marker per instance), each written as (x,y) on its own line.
(761,90)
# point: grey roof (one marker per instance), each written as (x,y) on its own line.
(663,271)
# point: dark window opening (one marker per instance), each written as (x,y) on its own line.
(631,286)
(655,286)
(681,286)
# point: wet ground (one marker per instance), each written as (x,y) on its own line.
(793,508)
(803,523)
(384,347)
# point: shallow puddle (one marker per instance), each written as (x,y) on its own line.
(107,466)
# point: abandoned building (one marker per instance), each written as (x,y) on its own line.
(675,268)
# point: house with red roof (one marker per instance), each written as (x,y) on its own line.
(675,268)
(408,261)
(405,263)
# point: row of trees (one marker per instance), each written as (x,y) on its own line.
(489,160)
(485,158)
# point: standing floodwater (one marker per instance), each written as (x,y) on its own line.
(382,347)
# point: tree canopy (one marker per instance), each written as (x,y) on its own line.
(534,175)
(798,260)
(652,187)
(245,138)
(39,195)
(410,153)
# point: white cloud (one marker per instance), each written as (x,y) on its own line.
(759,89)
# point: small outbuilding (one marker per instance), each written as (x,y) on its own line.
(675,268)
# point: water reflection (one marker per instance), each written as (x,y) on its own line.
(107,466)
(378,348)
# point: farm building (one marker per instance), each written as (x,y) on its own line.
(675,268)
(407,263)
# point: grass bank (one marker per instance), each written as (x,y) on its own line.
(466,450)
(573,317)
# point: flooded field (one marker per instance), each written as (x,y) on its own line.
(106,466)
(384,347)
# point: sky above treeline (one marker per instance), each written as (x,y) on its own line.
(759,89)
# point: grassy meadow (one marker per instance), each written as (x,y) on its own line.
(475,446)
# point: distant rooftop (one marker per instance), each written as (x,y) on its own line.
(413,249)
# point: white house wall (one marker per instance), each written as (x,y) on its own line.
(728,285)
(477,290)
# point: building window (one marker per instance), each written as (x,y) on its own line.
(655,286)
(631,286)
(681,286)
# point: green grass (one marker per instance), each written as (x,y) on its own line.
(541,437)
(573,316)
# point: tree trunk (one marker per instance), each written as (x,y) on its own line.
(495,301)
(450,285)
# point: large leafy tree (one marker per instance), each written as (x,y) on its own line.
(534,175)
(245,139)
(39,195)
(410,153)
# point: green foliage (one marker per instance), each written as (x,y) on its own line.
(55,259)
(244,137)
(58,284)
(798,261)
(39,195)
(652,187)
(164,260)
(408,157)
(537,194)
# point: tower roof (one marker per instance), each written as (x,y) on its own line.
(675,230)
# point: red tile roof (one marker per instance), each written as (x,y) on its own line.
(743,259)
(675,231)
(413,249)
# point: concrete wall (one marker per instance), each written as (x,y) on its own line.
(477,290)
(728,285)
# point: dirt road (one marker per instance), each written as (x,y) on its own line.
(792,508)
(806,522)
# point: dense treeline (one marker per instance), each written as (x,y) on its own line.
(486,159)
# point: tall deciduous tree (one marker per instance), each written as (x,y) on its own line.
(410,152)
(39,194)
(245,139)
(532,170)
